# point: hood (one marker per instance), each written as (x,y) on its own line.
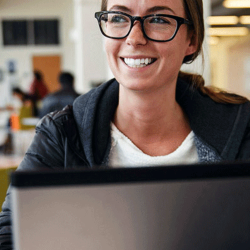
(219,126)
(93,113)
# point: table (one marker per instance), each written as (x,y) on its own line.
(9,161)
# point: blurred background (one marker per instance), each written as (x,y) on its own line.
(62,35)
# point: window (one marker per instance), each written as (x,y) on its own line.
(30,32)
(46,32)
(15,32)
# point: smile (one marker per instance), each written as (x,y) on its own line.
(138,63)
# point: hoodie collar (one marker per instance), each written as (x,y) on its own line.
(216,125)
(219,126)
(93,113)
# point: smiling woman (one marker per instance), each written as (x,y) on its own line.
(151,113)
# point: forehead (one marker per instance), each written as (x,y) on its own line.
(142,6)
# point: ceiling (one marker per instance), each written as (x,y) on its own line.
(219,10)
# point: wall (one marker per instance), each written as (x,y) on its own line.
(239,77)
(28,9)
(81,41)
(228,67)
(91,63)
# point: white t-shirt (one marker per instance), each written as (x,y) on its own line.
(124,153)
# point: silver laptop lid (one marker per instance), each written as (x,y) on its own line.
(181,207)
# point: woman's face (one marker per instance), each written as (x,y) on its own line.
(166,57)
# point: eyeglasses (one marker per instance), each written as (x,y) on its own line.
(155,27)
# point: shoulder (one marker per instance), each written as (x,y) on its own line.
(57,116)
(105,94)
(91,99)
(54,122)
(222,126)
(48,98)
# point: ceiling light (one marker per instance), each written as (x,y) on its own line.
(234,31)
(236,3)
(245,19)
(223,20)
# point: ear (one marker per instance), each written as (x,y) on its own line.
(193,43)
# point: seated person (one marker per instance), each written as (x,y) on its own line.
(151,113)
(61,98)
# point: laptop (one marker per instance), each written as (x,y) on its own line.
(148,208)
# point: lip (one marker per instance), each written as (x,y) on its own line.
(137,57)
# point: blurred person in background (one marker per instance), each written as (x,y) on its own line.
(25,99)
(38,89)
(22,107)
(61,98)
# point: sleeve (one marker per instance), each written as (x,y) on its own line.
(45,152)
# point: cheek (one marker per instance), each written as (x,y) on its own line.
(112,49)
(176,52)
(169,53)
(171,59)
(107,48)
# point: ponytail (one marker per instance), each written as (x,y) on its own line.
(197,82)
(194,12)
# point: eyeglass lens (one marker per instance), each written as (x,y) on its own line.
(117,25)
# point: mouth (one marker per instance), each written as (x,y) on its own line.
(138,63)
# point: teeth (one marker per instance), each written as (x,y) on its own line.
(137,63)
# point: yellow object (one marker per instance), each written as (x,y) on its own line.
(16,120)
(25,112)
(4,183)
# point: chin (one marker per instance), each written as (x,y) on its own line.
(136,84)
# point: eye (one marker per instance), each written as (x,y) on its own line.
(159,20)
(104,18)
(118,19)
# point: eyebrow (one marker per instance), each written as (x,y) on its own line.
(160,8)
(120,8)
(151,10)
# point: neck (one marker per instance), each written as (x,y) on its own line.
(149,119)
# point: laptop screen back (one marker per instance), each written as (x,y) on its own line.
(185,207)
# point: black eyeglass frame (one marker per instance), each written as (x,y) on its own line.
(180,21)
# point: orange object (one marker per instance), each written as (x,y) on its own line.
(15,122)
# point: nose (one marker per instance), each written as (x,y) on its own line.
(136,36)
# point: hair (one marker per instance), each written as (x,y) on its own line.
(194,13)
(23,96)
(66,79)
(38,75)
(17,90)
(104,5)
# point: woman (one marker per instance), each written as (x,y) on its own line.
(151,112)
(147,93)
(153,116)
